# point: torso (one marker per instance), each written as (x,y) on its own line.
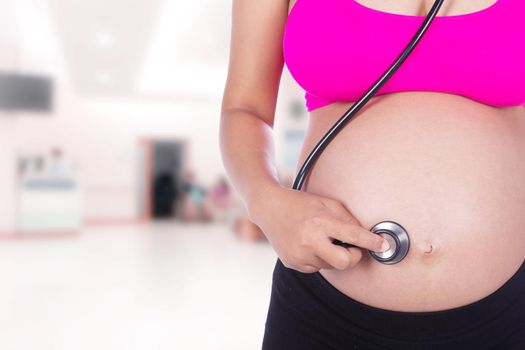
(449,169)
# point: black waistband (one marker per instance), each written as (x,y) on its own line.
(440,324)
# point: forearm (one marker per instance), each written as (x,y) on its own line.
(248,154)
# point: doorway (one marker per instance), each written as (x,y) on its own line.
(164,175)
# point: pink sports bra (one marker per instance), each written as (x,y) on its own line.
(336,49)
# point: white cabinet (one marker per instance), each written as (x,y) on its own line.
(49,205)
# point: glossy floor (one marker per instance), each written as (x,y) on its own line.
(155,286)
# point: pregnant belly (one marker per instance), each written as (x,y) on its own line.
(449,170)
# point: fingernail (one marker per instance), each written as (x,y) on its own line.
(385,246)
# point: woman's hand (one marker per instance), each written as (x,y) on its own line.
(301,227)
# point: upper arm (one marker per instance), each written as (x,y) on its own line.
(256,59)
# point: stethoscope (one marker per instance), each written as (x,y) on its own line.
(394,233)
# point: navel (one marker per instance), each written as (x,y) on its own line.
(428,247)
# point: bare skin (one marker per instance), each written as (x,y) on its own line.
(454,179)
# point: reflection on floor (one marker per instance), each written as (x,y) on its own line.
(157,286)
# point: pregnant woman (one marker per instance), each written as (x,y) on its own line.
(439,149)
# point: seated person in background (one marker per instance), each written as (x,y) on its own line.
(194,205)
(58,166)
(220,199)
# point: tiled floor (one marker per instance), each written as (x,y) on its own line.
(157,286)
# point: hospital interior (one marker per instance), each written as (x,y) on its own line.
(119,228)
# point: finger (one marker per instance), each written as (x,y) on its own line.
(354,234)
(321,264)
(317,263)
(307,268)
(338,257)
(357,255)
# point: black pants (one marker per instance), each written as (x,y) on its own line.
(307,312)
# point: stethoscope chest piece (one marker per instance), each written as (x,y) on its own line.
(398,239)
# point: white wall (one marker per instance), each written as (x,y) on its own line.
(8,60)
(7,171)
(116,125)
(101,135)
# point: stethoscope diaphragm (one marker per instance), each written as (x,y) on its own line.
(398,239)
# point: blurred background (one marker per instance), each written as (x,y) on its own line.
(119,228)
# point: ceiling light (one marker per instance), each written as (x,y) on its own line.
(104,39)
(104,78)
